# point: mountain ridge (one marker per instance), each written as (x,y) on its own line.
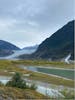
(57,46)
(6,48)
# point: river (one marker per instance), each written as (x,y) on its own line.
(64,73)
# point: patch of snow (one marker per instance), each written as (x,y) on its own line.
(67,58)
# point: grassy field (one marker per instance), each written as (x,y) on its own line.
(51,79)
(6,67)
(9,93)
(45,63)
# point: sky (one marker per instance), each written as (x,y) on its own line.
(29,22)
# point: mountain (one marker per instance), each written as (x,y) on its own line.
(13,55)
(26,50)
(7,48)
(4,53)
(57,46)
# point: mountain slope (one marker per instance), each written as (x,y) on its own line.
(7,48)
(4,53)
(58,46)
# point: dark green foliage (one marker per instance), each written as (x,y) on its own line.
(17,81)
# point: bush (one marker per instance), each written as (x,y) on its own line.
(17,81)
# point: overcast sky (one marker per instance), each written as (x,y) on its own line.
(29,22)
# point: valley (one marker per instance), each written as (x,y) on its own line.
(37,50)
(46,69)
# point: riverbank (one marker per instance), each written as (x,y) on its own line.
(45,63)
(49,90)
(57,72)
(8,68)
(41,87)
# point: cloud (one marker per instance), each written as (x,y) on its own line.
(31,21)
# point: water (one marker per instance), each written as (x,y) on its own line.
(69,74)
(40,88)
(4,79)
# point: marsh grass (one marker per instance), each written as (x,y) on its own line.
(45,63)
(7,66)
(19,94)
(52,79)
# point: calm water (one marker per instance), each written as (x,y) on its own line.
(4,79)
(59,72)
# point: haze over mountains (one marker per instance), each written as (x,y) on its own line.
(58,46)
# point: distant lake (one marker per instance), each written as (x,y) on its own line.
(59,72)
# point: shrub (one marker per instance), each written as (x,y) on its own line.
(17,81)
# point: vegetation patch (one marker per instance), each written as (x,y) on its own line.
(51,79)
(7,66)
(20,90)
(45,63)
(10,93)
